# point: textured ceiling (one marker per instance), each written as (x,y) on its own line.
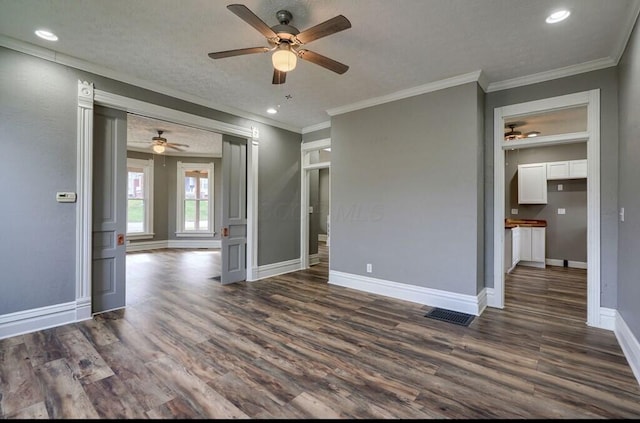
(392,46)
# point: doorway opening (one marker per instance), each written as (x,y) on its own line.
(590,101)
(315,226)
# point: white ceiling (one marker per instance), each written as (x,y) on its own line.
(392,46)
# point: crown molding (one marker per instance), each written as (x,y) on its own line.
(605,62)
(63,59)
(399,95)
(316,127)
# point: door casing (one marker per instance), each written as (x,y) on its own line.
(591,99)
(87,97)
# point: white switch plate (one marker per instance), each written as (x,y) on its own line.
(369,268)
(310,209)
(560,187)
(514,211)
(562,211)
(621,214)
(66,197)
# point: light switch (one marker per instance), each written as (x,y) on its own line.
(310,209)
(562,211)
(514,211)
(560,187)
(621,214)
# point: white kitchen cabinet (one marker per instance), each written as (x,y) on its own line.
(532,246)
(558,170)
(578,168)
(568,169)
(515,246)
(532,183)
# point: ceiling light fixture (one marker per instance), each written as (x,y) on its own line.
(46,35)
(284,59)
(272,111)
(327,149)
(158,149)
(558,16)
(533,134)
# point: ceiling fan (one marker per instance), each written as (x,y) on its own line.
(159,144)
(285,41)
(517,135)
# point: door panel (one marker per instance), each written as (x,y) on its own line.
(234,210)
(108,283)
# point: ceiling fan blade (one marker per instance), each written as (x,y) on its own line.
(176,144)
(249,17)
(238,52)
(323,61)
(337,24)
(279,77)
(173,147)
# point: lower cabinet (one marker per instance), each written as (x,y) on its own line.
(528,246)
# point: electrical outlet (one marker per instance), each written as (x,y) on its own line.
(562,211)
(514,211)
(560,187)
(369,268)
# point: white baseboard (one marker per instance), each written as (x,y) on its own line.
(322,237)
(570,263)
(629,344)
(275,269)
(470,304)
(28,321)
(173,243)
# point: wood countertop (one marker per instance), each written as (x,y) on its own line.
(533,223)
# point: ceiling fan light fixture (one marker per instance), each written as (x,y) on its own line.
(158,149)
(284,59)
(533,134)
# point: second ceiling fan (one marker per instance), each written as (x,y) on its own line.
(286,41)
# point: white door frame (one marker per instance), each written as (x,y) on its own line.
(591,99)
(305,149)
(87,97)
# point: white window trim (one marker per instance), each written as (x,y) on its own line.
(147,168)
(181,169)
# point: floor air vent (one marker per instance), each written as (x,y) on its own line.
(455,317)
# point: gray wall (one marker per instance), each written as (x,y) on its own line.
(404,190)
(607,81)
(324,198)
(566,235)
(38,109)
(320,134)
(629,238)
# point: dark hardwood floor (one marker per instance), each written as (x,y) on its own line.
(293,346)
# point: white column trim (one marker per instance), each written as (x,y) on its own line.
(84,205)
(252,208)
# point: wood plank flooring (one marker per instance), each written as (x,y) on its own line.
(293,346)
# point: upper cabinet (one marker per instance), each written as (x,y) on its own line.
(533,177)
(532,183)
(569,169)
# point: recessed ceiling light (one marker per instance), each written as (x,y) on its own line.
(46,35)
(558,16)
(272,111)
(327,149)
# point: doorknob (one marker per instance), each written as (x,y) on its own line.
(225,232)
(120,239)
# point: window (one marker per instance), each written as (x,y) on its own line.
(139,198)
(195,199)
